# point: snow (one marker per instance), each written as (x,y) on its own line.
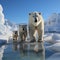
(2,42)
(1,8)
(55,47)
(2,29)
(6,27)
(5,37)
(1,15)
(52,37)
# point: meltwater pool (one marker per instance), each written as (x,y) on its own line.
(26,51)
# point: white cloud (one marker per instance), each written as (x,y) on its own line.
(1,15)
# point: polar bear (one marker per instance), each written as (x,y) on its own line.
(15,35)
(22,32)
(36,25)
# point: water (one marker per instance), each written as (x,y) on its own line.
(26,52)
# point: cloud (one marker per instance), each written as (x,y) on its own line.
(2,21)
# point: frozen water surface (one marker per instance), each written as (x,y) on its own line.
(17,52)
(50,51)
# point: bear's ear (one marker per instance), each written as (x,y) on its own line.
(29,13)
(39,13)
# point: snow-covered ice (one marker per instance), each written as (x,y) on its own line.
(48,38)
(55,47)
(52,37)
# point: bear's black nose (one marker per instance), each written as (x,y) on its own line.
(35,19)
(15,32)
(23,29)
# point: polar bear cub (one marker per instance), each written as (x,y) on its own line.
(22,32)
(36,26)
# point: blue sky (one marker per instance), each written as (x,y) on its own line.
(17,10)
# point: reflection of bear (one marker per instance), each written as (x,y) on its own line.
(36,24)
(22,32)
(15,37)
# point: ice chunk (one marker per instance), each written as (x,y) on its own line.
(55,47)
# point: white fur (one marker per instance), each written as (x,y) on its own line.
(36,35)
(33,24)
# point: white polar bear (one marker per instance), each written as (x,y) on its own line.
(36,25)
(23,32)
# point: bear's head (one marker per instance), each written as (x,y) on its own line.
(22,27)
(35,18)
(23,31)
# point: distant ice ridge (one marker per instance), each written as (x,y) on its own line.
(53,23)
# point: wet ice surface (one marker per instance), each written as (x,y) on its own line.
(2,42)
(52,50)
(11,53)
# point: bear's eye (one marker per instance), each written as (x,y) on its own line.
(39,13)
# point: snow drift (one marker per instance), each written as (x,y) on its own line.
(55,47)
(6,27)
(1,15)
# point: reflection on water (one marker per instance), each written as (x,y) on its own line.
(24,51)
(31,51)
(15,47)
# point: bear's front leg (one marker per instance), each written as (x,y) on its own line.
(31,32)
(40,34)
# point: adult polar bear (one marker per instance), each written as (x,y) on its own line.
(36,24)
